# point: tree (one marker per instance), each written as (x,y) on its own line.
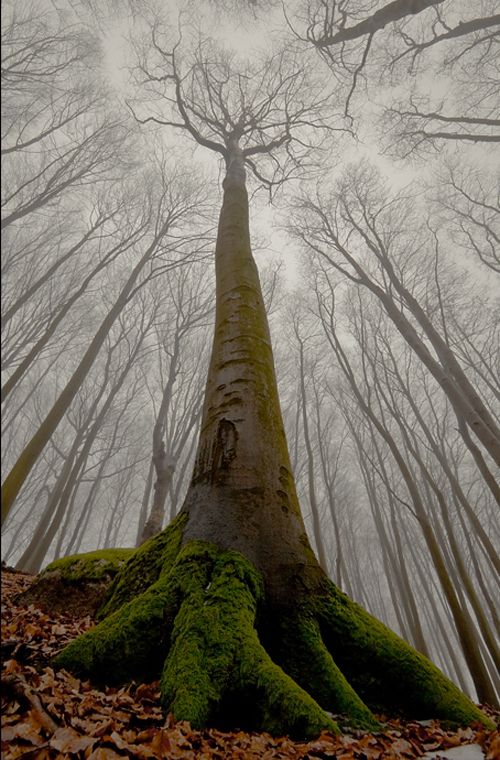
(88,426)
(229,602)
(165,212)
(126,233)
(359,208)
(461,618)
(178,412)
(469,202)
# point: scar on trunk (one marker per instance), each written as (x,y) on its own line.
(225,446)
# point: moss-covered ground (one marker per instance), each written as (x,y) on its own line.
(76,584)
(90,566)
(197,616)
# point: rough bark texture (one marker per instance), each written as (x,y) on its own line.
(229,603)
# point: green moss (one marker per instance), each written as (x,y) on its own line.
(295,642)
(216,650)
(130,643)
(90,566)
(385,670)
(144,566)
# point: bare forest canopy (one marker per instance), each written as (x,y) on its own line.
(369,134)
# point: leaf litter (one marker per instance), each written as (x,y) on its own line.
(51,715)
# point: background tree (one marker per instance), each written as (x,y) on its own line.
(330,224)
(453,42)
(181,396)
(166,219)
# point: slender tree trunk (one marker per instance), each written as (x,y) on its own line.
(23,367)
(463,623)
(164,469)
(313,501)
(439,453)
(341,576)
(429,484)
(28,457)
(449,651)
(394,567)
(144,505)
(163,462)
(50,272)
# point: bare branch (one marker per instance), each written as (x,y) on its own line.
(390,13)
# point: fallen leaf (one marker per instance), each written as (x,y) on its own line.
(25,731)
(102,753)
(494,747)
(66,739)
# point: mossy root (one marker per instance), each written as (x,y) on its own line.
(216,650)
(199,619)
(197,625)
(128,644)
(385,670)
(297,645)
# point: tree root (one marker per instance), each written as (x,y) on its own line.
(216,652)
(200,619)
(385,670)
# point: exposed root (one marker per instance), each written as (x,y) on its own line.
(385,670)
(302,653)
(216,651)
(198,623)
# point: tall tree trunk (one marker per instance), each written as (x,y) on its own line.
(163,462)
(164,469)
(144,504)
(238,548)
(313,501)
(242,492)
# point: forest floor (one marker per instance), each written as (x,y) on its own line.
(49,714)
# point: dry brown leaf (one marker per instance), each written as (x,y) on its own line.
(25,731)
(11,666)
(161,743)
(402,748)
(128,722)
(67,740)
(102,753)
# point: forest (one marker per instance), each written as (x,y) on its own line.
(282,467)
